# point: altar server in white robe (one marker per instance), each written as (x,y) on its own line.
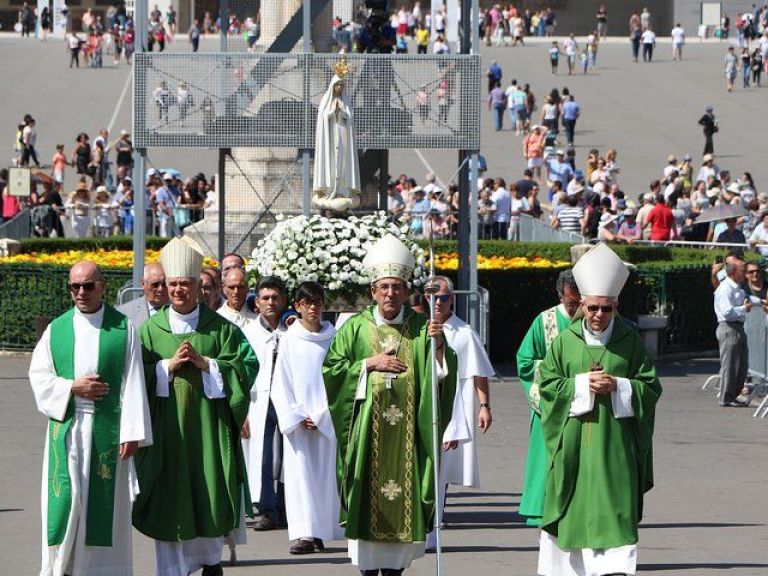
(309,447)
(87,378)
(460,467)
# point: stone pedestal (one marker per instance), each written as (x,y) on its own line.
(652,329)
(9,247)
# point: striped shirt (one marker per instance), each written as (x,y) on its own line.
(569,217)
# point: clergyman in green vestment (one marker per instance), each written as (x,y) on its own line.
(378,381)
(198,369)
(598,397)
(532,350)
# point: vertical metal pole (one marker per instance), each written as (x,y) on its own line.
(139,195)
(474,315)
(224,19)
(220,180)
(466,264)
(306,184)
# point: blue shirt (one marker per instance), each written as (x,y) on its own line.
(494,72)
(561,171)
(571,110)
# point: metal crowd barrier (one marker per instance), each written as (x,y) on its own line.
(18,227)
(534,230)
(756,329)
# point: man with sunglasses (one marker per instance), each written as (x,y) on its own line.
(546,326)
(378,378)
(198,369)
(155,296)
(88,379)
(460,467)
(598,398)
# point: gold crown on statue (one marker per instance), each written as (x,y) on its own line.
(341,68)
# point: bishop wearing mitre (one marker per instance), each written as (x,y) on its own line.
(378,378)
(598,395)
(199,370)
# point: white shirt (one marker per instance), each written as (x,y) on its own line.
(760,236)
(503,202)
(729,302)
(239,318)
(648,37)
(678,35)
(570,46)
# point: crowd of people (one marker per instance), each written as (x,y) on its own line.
(102,201)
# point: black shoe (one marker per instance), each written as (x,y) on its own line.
(319,545)
(303,547)
(264,522)
(213,570)
(391,572)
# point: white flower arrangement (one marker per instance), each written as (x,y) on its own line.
(328,250)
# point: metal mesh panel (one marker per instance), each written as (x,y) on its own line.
(270,100)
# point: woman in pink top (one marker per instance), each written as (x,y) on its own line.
(59,162)
(533,149)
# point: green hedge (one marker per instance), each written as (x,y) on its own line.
(46,245)
(29,293)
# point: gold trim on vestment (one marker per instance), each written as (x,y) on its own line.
(383,401)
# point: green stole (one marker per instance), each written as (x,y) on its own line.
(106,430)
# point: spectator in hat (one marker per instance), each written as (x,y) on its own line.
(606,230)
(629,231)
(708,168)
(671,165)
(559,169)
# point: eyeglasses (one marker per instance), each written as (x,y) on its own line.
(442,298)
(594,308)
(307,303)
(86,286)
(155,285)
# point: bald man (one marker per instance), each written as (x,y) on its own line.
(88,380)
(154,298)
(236,293)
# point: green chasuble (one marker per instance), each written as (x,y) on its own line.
(384,458)
(598,466)
(539,337)
(193,478)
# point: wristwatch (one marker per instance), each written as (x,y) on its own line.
(485,405)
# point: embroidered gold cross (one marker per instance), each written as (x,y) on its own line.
(391,490)
(389,376)
(393,415)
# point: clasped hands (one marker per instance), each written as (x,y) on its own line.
(601,383)
(187,353)
(91,388)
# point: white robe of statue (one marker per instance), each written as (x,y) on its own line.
(336,179)
(309,456)
(52,395)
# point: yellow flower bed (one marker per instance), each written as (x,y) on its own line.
(450,261)
(104,258)
(124,259)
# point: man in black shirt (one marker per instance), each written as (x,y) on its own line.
(709,125)
(524,186)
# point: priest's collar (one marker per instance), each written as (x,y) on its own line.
(188,317)
(595,338)
(563,311)
(379,319)
(92,317)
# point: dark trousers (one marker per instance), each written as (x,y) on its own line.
(647,52)
(636,49)
(195,44)
(734,359)
(500,230)
(709,146)
(271,500)
(570,128)
(29,153)
(74,57)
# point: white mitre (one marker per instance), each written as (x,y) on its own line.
(181,258)
(600,272)
(389,257)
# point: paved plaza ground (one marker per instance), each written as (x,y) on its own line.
(645,111)
(706,515)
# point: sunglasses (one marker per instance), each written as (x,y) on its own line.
(594,308)
(155,285)
(442,298)
(86,286)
